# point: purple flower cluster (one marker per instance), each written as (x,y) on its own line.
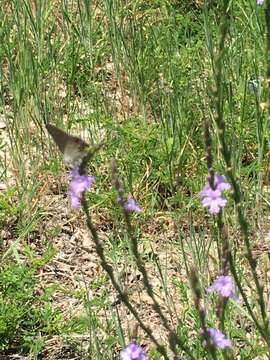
(218,339)
(133,352)
(212,196)
(131,206)
(78,185)
(224,285)
(260,2)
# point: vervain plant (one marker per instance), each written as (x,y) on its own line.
(140,73)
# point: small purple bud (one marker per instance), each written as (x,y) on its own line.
(133,352)
(131,206)
(218,339)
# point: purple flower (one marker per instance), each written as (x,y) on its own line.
(131,206)
(218,339)
(260,2)
(224,285)
(133,352)
(212,197)
(78,184)
(220,183)
(213,200)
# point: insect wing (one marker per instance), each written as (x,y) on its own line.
(73,148)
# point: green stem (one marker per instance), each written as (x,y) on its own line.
(109,270)
(173,338)
(219,119)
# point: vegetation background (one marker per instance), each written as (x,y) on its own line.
(141,75)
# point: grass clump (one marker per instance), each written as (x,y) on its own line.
(24,312)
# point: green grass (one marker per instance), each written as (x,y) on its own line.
(141,76)
(23,313)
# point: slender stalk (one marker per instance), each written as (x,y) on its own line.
(236,193)
(173,338)
(109,270)
(201,311)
